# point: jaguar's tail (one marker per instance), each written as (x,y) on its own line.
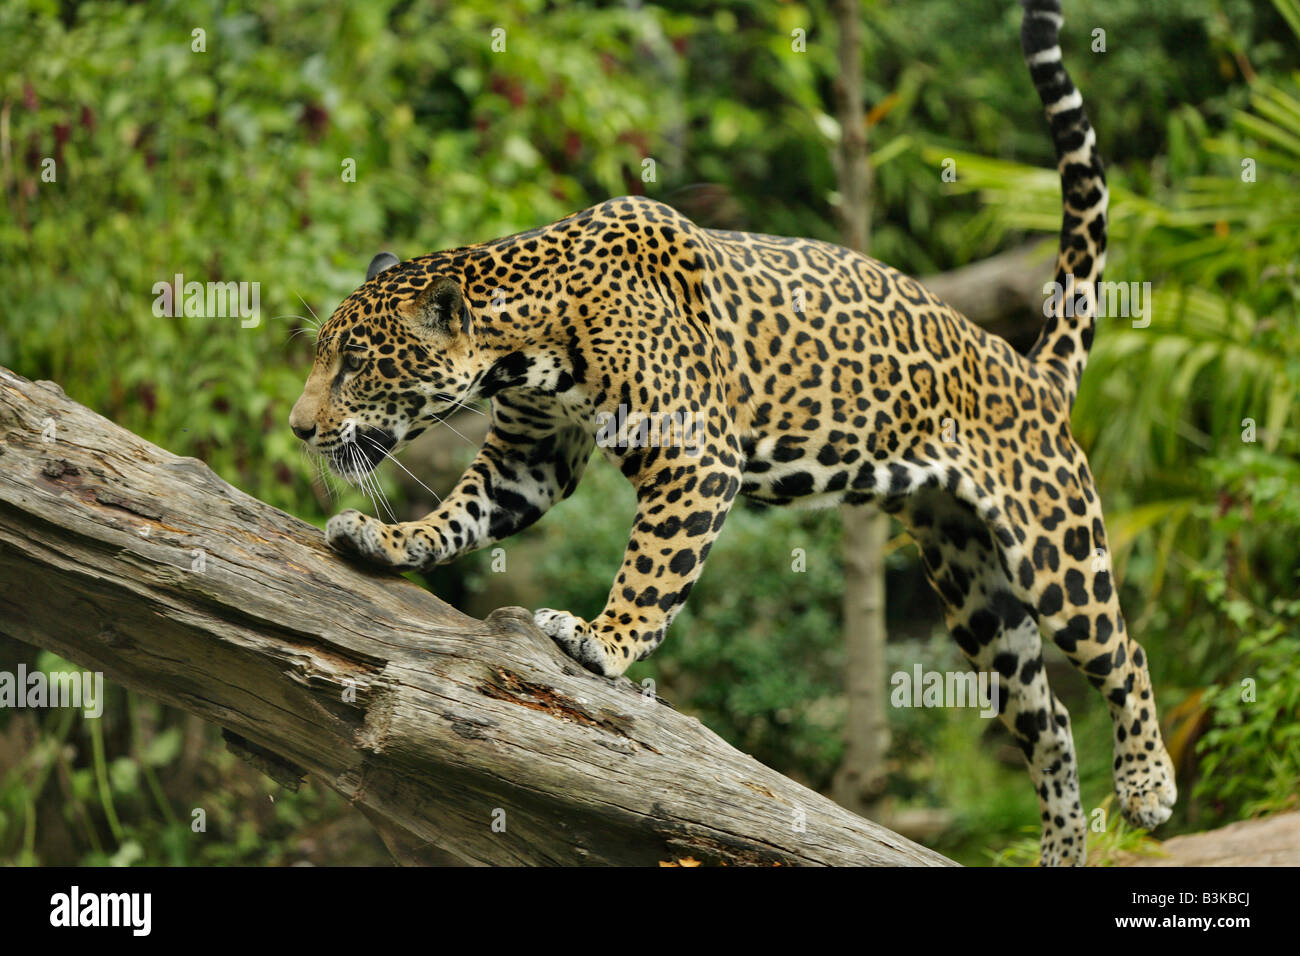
(1062,347)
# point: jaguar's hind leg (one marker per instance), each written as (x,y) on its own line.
(1074,596)
(998,634)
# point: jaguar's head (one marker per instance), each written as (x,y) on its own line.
(394,358)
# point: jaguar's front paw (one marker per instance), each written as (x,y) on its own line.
(575,638)
(351,532)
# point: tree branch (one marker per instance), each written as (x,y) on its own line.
(128,560)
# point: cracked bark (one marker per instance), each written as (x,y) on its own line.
(148,567)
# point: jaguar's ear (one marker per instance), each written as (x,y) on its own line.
(441,307)
(385,260)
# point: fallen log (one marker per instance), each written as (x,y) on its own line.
(477,737)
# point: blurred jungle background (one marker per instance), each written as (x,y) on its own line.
(231,162)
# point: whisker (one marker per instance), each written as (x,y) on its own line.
(332,490)
(358,477)
(383,498)
(368,483)
(389,455)
(314,323)
(322,475)
(444,422)
(336,481)
(307,326)
(309,308)
(468,408)
(460,402)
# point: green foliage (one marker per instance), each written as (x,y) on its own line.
(229,165)
(1109,847)
(144,785)
(1251,754)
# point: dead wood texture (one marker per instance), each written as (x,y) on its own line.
(148,567)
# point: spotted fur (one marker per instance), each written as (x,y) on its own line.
(813,375)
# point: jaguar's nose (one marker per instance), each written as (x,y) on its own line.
(303,433)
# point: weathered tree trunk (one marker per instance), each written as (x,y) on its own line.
(148,567)
(859,781)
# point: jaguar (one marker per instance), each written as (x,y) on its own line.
(809,374)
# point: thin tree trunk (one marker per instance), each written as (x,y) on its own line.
(858,783)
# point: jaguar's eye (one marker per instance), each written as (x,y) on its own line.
(353,360)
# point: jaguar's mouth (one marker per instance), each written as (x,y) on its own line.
(361,452)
